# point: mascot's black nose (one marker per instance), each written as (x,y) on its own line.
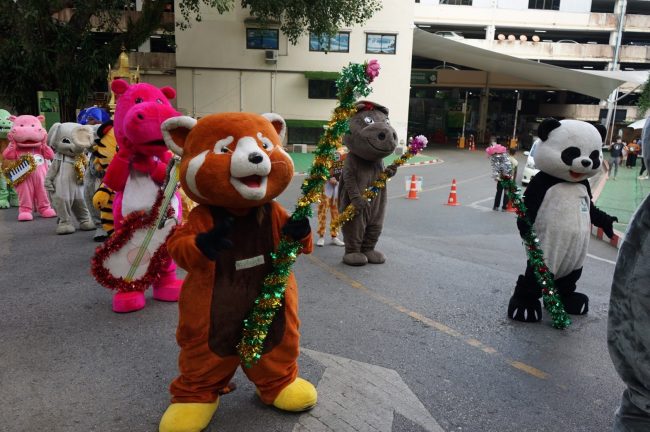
(381,136)
(255,158)
(585,162)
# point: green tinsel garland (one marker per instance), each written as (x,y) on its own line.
(543,275)
(352,83)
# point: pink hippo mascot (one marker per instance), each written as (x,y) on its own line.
(136,174)
(28,146)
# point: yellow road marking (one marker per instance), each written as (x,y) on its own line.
(530,370)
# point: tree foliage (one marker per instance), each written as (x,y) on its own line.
(53,44)
(643,104)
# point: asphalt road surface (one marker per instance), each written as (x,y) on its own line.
(421,343)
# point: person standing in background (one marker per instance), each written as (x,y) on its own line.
(615,155)
(632,153)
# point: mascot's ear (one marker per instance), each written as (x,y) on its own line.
(41,118)
(119,86)
(278,123)
(175,131)
(369,106)
(83,135)
(546,127)
(602,130)
(12,118)
(169,92)
(52,135)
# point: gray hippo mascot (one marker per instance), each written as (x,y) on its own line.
(628,330)
(370,140)
(65,177)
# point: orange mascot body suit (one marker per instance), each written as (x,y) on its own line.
(233,166)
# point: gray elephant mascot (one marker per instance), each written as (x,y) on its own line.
(628,330)
(370,140)
(65,177)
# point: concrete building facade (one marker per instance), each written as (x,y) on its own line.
(227,62)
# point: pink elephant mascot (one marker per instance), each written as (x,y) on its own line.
(137,173)
(28,143)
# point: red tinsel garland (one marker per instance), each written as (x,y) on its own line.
(133,222)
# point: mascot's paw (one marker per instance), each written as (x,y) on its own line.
(355,259)
(298,396)
(4,204)
(124,302)
(169,291)
(375,257)
(87,226)
(25,216)
(65,228)
(524,310)
(100,235)
(48,213)
(187,417)
(576,303)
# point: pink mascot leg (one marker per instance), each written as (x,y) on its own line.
(129,301)
(168,286)
(25,201)
(41,199)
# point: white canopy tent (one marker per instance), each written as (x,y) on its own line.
(599,85)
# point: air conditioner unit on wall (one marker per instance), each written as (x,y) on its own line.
(271,56)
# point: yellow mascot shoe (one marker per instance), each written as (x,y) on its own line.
(187,417)
(298,396)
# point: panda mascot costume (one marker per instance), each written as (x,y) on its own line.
(559,207)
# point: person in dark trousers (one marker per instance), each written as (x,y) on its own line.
(615,156)
(632,153)
(641,176)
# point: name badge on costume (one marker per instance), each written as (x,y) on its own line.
(584,204)
(39,159)
(249,262)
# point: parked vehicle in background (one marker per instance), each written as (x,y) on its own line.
(450,34)
(530,169)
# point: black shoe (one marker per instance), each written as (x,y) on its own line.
(495,208)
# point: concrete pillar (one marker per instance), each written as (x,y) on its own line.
(483,114)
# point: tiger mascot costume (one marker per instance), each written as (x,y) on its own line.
(233,165)
(102,200)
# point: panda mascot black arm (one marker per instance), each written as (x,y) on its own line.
(560,210)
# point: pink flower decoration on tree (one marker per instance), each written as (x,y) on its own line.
(372,69)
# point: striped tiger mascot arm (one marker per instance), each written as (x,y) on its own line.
(103,153)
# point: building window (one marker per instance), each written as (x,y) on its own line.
(262,38)
(457,2)
(162,43)
(304,135)
(544,4)
(380,43)
(340,42)
(322,89)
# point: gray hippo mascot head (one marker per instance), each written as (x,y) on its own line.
(370,140)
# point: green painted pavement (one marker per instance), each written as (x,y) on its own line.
(622,196)
(302,161)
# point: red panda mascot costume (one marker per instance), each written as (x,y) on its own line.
(233,165)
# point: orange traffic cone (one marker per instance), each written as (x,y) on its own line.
(453,201)
(413,190)
(509,207)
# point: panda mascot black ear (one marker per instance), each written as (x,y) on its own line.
(602,130)
(546,127)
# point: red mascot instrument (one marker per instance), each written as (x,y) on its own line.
(131,259)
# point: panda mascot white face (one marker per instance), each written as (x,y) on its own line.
(570,149)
